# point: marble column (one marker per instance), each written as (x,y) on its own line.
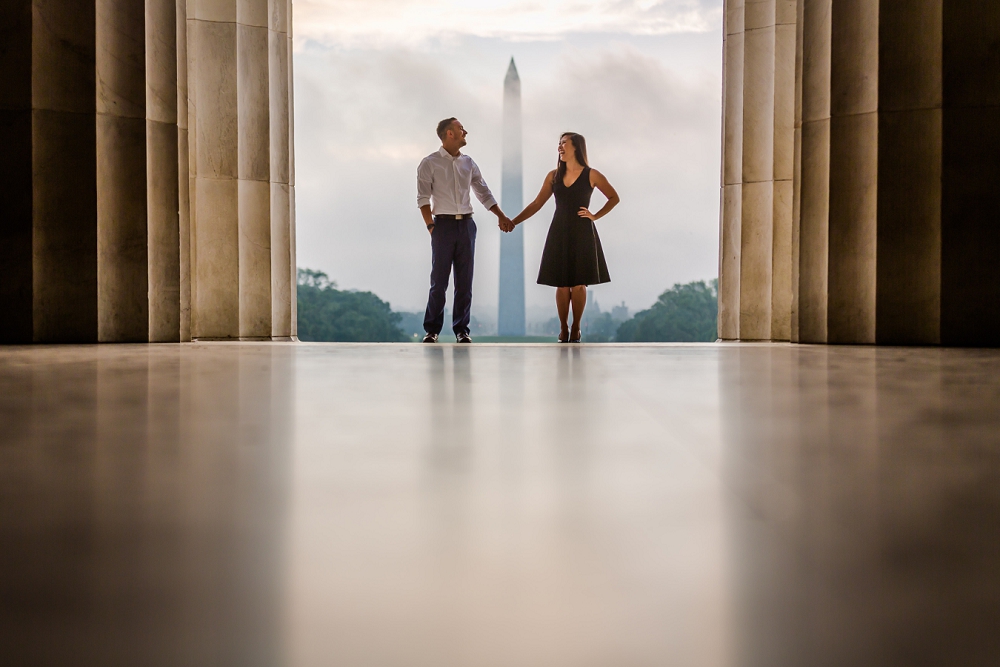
(732,171)
(784,168)
(908,285)
(183,174)
(970,171)
(122,253)
(814,215)
(162,192)
(281,184)
(796,177)
(215,260)
(757,214)
(16,213)
(853,171)
(292,263)
(48,179)
(252,58)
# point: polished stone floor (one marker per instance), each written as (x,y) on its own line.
(586,506)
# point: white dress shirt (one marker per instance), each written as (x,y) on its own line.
(443,181)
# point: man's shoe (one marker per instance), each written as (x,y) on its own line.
(431,338)
(463,338)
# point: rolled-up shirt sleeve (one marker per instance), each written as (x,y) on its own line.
(425,182)
(482,190)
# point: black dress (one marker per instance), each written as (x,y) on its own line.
(573,254)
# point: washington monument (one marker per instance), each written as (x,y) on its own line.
(510,319)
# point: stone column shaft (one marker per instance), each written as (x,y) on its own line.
(48,178)
(215,197)
(908,284)
(814,215)
(254,169)
(183,173)
(797,176)
(757,211)
(732,171)
(283,282)
(970,235)
(122,238)
(784,168)
(161,171)
(853,171)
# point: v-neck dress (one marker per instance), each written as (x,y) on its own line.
(573,254)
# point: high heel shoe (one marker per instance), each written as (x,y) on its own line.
(579,335)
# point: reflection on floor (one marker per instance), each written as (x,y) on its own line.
(384,505)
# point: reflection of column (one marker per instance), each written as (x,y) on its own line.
(215,264)
(815,179)
(784,168)
(254,169)
(756,225)
(122,254)
(161,170)
(853,171)
(279,96)
(732,172)
(183,173)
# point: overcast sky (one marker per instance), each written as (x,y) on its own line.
(641,79)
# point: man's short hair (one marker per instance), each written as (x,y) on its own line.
(443,127)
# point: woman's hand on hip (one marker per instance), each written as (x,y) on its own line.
(585,213)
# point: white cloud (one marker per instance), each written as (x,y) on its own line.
(381,22)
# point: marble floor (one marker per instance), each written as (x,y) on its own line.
(412,505)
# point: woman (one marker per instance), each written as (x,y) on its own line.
(573,257)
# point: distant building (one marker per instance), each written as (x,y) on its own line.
(510,315)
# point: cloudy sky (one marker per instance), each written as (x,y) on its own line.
(641,79)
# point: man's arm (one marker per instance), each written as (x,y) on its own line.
(485,197)
(425,185)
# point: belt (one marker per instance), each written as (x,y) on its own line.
(460,216)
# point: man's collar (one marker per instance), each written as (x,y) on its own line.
(443,152)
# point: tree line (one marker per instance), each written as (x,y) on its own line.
(683,313)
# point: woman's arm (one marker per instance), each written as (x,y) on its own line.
(598,181)
(533,207)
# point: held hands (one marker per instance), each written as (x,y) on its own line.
(505,224)
(585,213)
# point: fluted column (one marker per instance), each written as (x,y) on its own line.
(732,171)
(853,171)
(48,206)
(215,262)
(161,171)
(784,169)
(252,59)
(796,176)
(757,217)
(908,298)
(814,217)
(970,235)
(281,184)
(122,239)
(183,174)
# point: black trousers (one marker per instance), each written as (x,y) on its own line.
(453,246)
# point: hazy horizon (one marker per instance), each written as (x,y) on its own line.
(641,80)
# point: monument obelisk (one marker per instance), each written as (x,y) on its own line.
(510,318)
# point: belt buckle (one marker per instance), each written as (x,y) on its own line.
(459,216)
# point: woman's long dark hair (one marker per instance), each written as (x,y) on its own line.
(580,146)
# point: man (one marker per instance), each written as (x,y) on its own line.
(444,179)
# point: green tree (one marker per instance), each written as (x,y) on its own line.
(683,314)
(329,314)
